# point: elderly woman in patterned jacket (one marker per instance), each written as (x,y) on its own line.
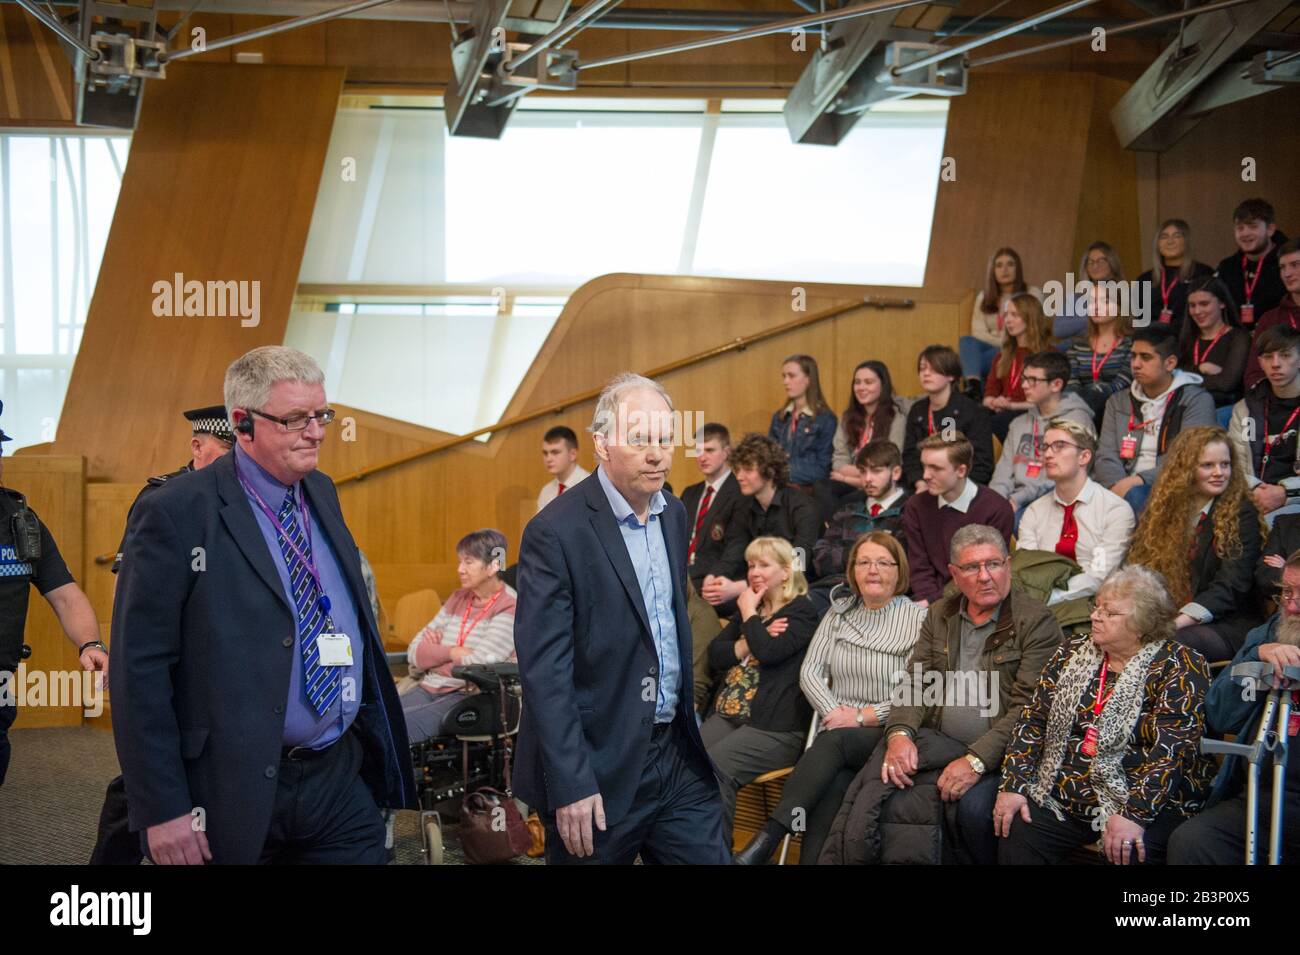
(1109,745)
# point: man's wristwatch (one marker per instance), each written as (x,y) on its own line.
(976,763)
(97,644)
(899,729)
(861,720)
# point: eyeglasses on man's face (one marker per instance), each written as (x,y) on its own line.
(1033,379)
(992,566)
(1058,447)
(297,422)
(1287,595)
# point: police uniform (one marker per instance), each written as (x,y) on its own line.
(115,844)
(19,569)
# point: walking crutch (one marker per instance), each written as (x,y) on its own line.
(1272,738)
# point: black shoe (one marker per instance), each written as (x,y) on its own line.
(758,851)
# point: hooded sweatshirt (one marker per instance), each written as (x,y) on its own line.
(1011,477)
(1152,422)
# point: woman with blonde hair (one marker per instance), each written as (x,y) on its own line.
(1027,331)
(849,672)
(759,716)
(1201,530)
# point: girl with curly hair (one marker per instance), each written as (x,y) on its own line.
(1201,530)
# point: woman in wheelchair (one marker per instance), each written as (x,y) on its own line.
(475,625)
(861,644)
(759,715)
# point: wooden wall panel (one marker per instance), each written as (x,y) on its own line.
(1108,196)
(220,185)
(53,485)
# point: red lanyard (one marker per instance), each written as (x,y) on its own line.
(466,626)
(1102,698)
(867,430)
(929,410)
(1269,447)
(1096,368)
(1248,283)
(1166,289)
(322,599)
(1013,379)
(1197,357)
(1133,423)
(794,423)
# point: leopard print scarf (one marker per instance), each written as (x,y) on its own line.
(1114,725)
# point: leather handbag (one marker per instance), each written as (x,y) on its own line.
(491,828)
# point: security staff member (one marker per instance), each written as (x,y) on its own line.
(210,438)
(28,555)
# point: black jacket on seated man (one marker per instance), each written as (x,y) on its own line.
(713,532)
(792,515)
(201,658)
(852,519)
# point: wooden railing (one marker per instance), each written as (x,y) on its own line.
(736,344)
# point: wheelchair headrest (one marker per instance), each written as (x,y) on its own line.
(487,676)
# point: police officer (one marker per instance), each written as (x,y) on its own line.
(210,438)
(28,555)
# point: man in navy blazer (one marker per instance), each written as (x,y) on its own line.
(254,715)
(609,752)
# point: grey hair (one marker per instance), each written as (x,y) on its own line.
(485,545)
(1154,612)
(976,535)
(615,392)
(250,376)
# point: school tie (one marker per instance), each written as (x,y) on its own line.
(320,683)
(1069,533)
(699,522)
(559,490)
(875,510)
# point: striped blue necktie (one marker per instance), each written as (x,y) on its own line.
(320,683)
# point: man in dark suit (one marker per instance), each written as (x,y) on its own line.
(609,751)
(254,718)
(711,505)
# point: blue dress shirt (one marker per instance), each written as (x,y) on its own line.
(302,725)
(649,554)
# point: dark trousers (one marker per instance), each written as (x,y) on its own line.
(814,791)
(1218,835)
(324,813)
(741,753)
(115,843)
(1049,841)
(974,842)
(8,713)
(675,817)
(1208,639)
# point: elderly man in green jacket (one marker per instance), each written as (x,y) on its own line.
(973,669)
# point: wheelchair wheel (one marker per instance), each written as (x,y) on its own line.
(432,832)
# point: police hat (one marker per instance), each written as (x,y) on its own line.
(211,420)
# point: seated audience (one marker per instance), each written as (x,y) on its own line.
(1005,277)
(1251,272)
(1167,285)
(1201,531)
(1002,640)
(1263,425)
(760,717)
(560,456)
(768,509)
(710,506)
(1109,744)
(1287,311)
(1100,263)
(1213,346)
(850,668)
(1080,519)
(1026,333)
(1019,476)
(805,427)
(951,500)
(874,413)
(944,411)
(877,507)
(1217,836)
(475,625)
(1141,422)
(1099,358)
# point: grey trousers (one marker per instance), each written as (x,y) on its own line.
(742,753)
